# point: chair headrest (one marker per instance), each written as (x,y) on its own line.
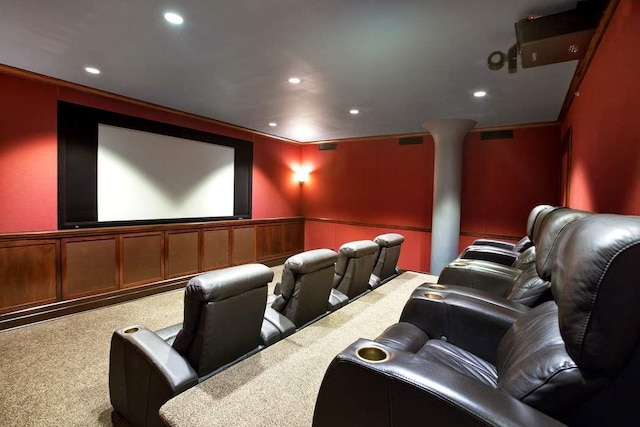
(535,214)
(228,282)
(389,239)
(309,261)
(553,224)
(596,281)
(358,248)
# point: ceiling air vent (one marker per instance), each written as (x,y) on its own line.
(327,146)
(410,140)
(496,134)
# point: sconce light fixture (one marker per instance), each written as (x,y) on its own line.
(301,174)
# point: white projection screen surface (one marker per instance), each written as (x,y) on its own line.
(148,176)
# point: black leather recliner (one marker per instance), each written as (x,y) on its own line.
(386,266)
(523,244)
(223,317)
(573,360)
(520,285)
(353,271)
(307,280)
(508,257)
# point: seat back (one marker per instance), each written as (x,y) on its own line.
(547,234)
(536,215)
(354,267)
(387,259)
(577,358)
(307,280)
(526,242)
(223,313)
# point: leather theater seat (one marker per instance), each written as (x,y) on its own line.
(223,317)
(571,360)
(523,244)
(508,257)
(386,266)
(520,285)
(307,279)
(353,271)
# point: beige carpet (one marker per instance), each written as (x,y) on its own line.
(56,373)
(278,386)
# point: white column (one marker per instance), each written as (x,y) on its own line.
(448,135)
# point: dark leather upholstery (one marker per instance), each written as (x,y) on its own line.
(502,254)
(223,317)
(523,244)
(524,285)
(307,280)
(354,267)
(386,266)
(575,358)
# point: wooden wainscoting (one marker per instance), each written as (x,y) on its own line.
(49,274)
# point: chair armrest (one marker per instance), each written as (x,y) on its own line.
(494,243)
(487,253)
(408,390)
(281,323)
(479,275)
(475,323)
(145,372)
(337,300)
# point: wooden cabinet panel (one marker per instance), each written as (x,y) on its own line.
(182,253)
(293,237)
(244,245)
(268,241)
(216,249)
(89,266)
(142,260)
(28,274)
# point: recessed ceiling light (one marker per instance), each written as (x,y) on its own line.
(92,70)
(173,18)
(273,124)
(354,111)
(294,80)
(479,94)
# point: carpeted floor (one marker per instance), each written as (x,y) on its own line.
(278,386)
(56,373)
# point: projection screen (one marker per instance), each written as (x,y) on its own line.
(143,176)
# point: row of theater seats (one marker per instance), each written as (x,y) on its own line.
(464,356)
(226,320)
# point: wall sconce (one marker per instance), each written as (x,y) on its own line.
(301,174)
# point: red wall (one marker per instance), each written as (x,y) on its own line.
(605,153)
(382,185)
(28,154)
(376,183)
(504,178)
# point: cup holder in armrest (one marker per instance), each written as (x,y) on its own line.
(131,330)
(436,286)
(372,354)
(433,295)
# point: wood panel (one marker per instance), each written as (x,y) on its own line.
(89,266)
(216,249)
(268,241)
(244,245)
(182,253)
(55,273)
(293,237)
(28,274)
(142,259)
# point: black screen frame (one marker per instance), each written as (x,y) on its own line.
(78,165)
